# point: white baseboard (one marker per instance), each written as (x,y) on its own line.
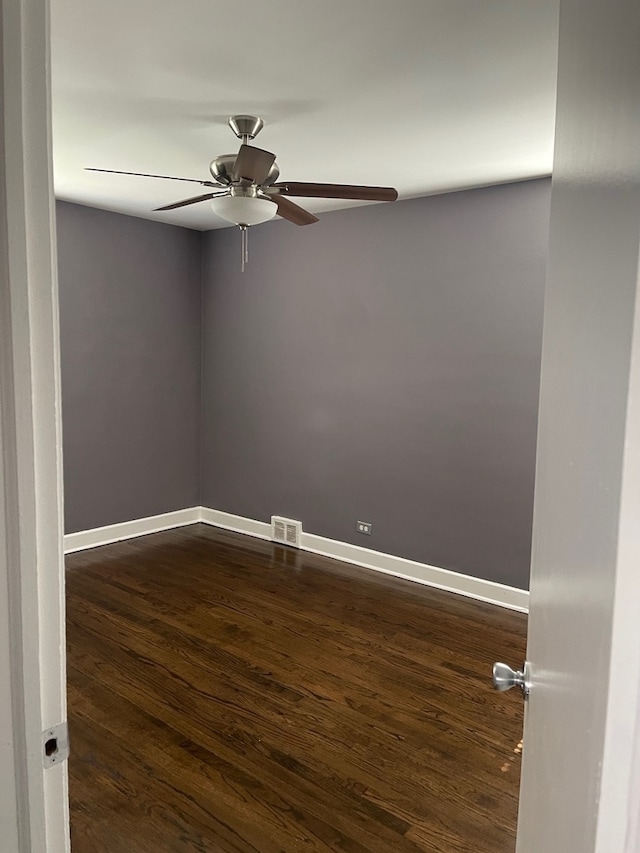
(481,590)
(129,529)
(235,523)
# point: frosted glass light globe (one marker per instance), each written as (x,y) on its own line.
(244,210)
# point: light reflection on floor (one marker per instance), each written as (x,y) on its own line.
(516,753)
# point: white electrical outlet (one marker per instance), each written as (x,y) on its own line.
(286,531)
(365,527)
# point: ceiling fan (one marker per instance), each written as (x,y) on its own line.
(246,187)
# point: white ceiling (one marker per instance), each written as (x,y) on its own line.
(423,95)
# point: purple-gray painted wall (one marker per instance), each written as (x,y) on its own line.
(130,317)
(383,365)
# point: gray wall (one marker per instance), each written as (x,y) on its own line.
(130,317)
(383,365)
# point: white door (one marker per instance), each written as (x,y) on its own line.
(33,800)
(577,793)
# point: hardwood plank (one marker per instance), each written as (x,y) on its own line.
(229,694)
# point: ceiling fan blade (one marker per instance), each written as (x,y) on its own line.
(164,177)
(187,201)
(296,188)
(293,212)
(252,164)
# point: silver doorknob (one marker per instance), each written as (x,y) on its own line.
(504,678)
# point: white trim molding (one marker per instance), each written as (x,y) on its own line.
(482,590)
(235,523)
(477,588)
(85,539)
(34,807)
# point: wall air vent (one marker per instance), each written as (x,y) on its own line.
(286,531)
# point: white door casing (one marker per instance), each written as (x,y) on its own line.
(584,627)
(34,808)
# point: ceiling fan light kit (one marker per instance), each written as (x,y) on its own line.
(241,209)
(246,191)
(244,209)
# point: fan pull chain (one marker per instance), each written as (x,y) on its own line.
(244,246)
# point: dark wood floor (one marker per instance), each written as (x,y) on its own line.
(227,694)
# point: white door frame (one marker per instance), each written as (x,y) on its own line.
(33,801)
